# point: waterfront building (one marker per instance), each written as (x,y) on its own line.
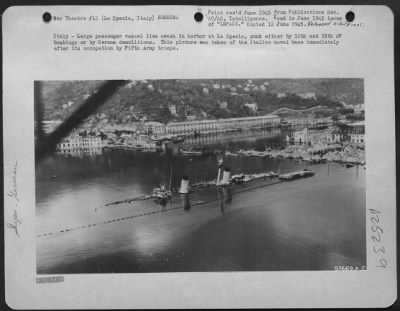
(76,143)
(311,137)
(334,137)
(308,122)
(140,140)
(222,137)
(154,128)
(356,132)
(209,126)
(357,138)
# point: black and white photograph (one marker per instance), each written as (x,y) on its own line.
(193,156)
(200,175)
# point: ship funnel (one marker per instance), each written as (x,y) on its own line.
(226,178)
(184,185)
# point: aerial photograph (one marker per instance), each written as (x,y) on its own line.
(210,175)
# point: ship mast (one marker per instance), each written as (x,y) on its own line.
(170,179)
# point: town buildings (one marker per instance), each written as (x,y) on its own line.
(208,126)
(157,128)
(352,132)
(307,122)
(356,132)
(75,144)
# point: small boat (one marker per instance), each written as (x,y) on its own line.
(238,179)
(161,193)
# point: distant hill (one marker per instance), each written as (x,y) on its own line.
(158,100)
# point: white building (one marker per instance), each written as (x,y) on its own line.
(309,122)
(209,126)
(313,137)
(356,132)
(252,106)
(307,95)
(172,110)
(76,143)
(357,138)
(154,128)
(333,138)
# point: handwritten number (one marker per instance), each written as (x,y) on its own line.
(381,249)
(376,229)
(375,220)
(383,263)
(376,239)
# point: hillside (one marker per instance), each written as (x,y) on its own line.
(167,100)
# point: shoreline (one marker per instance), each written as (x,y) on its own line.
(314,154)
(211,237)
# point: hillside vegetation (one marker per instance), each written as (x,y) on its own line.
(157,100)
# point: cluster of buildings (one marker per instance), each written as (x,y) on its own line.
(307,122)
(76,144)
(209,126)
(351,132)
(310,130)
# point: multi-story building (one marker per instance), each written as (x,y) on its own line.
(76,143)
(307,95)
(356,132)
(154,128)
(357,138)
(334,137)
(209,126)
(308,122)
(312,137)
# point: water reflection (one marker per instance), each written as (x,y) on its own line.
(227,194)
(224,195)
(225,138)
(310,224)
(185,199)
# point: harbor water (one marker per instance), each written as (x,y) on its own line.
(316,223)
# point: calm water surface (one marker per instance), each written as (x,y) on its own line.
(310,224)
